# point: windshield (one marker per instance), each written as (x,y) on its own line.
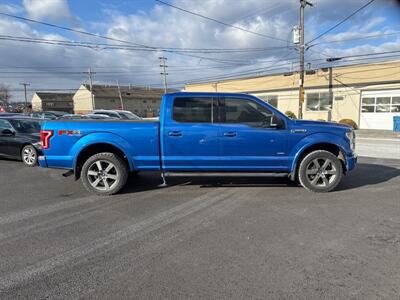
(128,115)
(26,126)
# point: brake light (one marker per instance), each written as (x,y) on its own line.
(45,136)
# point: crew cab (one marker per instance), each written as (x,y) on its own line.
(201,134)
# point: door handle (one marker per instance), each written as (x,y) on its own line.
(175,133)
(230,134)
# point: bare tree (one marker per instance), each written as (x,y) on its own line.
(5,95)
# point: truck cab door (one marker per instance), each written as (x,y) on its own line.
(190,134)
(252,137)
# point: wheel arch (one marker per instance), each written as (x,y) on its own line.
(96,148)
(330,147)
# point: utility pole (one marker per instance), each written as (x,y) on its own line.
(120,96)
(90,74)
(164,73)
(26,99)
(303,4)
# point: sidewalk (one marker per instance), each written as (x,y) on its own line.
(379,146)
(380,134)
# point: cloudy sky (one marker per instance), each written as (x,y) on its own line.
(140,31)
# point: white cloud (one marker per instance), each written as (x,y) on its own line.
(167,27)
(47,9)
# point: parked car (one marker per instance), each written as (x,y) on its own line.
(118,114)
(100,117)
(48,115)
(202,134)
(20,138)
(72,117)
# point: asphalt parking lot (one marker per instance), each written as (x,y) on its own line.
(220,238)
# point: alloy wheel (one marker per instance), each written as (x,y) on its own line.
(102,175)
(321,172)
(29,156)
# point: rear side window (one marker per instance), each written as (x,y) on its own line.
(5,125)
(194,110)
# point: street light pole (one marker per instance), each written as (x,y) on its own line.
(26,99)
(164,72)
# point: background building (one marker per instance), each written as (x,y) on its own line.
(369,94)
(42,101)
(144,102)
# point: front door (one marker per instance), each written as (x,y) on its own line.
(191,135)
(252,137)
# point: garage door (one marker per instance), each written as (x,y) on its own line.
(378,109)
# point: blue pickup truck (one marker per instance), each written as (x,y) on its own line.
(201,134)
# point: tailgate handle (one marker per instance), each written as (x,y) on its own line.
(175,133)
(230,134)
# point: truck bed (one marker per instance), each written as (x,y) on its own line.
(138,138)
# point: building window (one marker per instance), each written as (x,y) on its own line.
(270,99)
(395,107)
(144,101)
(319,102)
(50,104)
(380,104)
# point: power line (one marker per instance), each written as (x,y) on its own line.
(97,46)
(70,29)
(342,21)
(220,22)
(357,39)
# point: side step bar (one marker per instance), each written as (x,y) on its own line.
(224,174)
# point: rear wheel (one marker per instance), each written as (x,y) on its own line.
(320,171)
(104,174)
(29,156)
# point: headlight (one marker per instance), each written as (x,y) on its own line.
(352,139)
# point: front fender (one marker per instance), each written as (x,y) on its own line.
(318,138)
(102,138)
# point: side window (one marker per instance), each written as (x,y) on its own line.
(4,124)
(248,112)
(194,110)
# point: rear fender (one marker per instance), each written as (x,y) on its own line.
(102,138)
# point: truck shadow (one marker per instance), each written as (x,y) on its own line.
(365,174)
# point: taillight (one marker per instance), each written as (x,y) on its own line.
(45,136)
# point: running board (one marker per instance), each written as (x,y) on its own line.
(224,174)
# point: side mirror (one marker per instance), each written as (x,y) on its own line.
(277,123)
(7,132)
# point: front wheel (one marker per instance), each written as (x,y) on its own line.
(104,174)
(29,156)
(320,171)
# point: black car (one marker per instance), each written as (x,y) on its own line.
(20,138)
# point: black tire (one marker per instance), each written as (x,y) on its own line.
(320,171)
(29,156)
(104,174)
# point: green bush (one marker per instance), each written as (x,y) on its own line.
(349,122)
(290,114)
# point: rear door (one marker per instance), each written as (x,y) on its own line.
(5,139)
(250,137)
(191,134)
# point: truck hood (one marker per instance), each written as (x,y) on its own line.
(321,123)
